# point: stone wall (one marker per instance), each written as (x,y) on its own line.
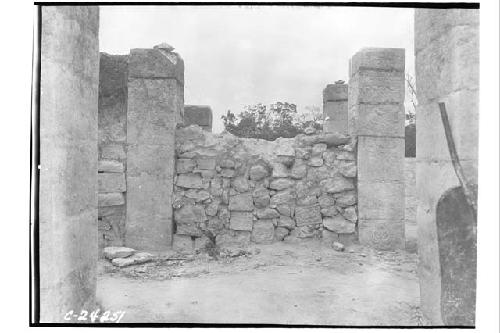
(335,108)
(113,79)
(200,115)
(447,70)
(68,160)
(234,191)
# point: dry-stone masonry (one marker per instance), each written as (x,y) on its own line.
(68,160)
(335,108)
(233,191)
(200,115)
(376,119)
(447,70)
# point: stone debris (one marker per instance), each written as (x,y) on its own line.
(135,259)
(164,46)
(338,246)
(113,252)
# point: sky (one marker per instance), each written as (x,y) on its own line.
(237,56)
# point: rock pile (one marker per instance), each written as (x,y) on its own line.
(232,191)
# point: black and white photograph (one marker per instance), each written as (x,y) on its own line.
(273,164)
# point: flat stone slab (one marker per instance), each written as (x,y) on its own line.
(135,259)
(113,252)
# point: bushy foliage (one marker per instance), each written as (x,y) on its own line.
(269,123)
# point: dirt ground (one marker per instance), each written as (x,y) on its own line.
(284,283)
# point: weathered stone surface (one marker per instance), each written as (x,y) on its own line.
(298,171)
(241,221)
(382,234)
(280,233)
(110,166)
(263,231)
(240,184)
(330,211)
(280,170)
(380,120)
(335,92)
(190,180)
(318,149)
(227,173)
(258,172)
(156,63)
(305,215)
(113,252)
(261,197)
(189,229)
(306,231)
(345,199)
(386,59)
(303,153)
(267,213)
(233,238)
(281,184)
(307,200)
(338,224)
(113,152)
(337,246)
(212,208)
(287,161)
(348,168)
(346,155)
(286,222)
(326,201)
(282,197)
(190,214)
(227,163)
(241,202)
(329,157)
(185,165)
(202,243)
(110,199)
(337,184)
(286,210)
(333,139)
(319,173)
(135,259)
(350,214)
(111,182)
(285,149)
(381,159)
(315,161)
(205,163)
(197,195)
(182,243)
(380,201)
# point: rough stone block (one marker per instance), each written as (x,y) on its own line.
(111,182)
(182,243)
(155,63)
(464,122)
(241,221)
(286,222)
(335,92)
(113,252)
(375,87)
(283,197)
(305,215)
(383,59)
(382,234)
(200,115)
(267,213)
(377,201)
(184,165)
(241,202)
(337,184)
(152,159)
(381,120)
(263,231)
(113,152)
(281,184)
(233,238)
(381,159)
(258,172)
(206,163)
(110,199)
(110,166)
(190,181)
(190,214)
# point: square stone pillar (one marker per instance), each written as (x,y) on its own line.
(447,70)
(335,110)
(376,118)
(68,160)
(155,107)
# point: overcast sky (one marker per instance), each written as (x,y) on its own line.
(235,56)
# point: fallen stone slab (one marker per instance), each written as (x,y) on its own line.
(113,252)
(135,259)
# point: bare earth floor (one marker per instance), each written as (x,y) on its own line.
(284,283)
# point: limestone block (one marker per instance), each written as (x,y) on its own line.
(430,24)
(110,199)
(206,163)
(346,155)
(280,233)
(326,201)
(280,170)
(227,173)
(379,87)
(336,125)
(285,148)
(233,238)
(241,202)
(110,166)
(448,64)
(111,210)
(113,252)
(152,111)
(315,161)
(267,213)
(190,180)
(240,184)
(335,92)
(381,120)
(329,157)
(283,197)
(261,197)
(135,259)
(350,214)
(348,168)
(199,115)
(337,184)
(281,184)
(190,214)
(305,215)
(286,222)
(303,153)
(189,229)
(113,152)
(197,195)
(155,63)
(202,243)
(184,165)
(329,211)
(382,234)
(111,182)
(241,221)
(383,59)
(263,231)
(307,200)
(462,112)
(258,172)
(182,243)
(286,210)
(305,231)
(377,201)
(298,171)
(381,159)
(338,224)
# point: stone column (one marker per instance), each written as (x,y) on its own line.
(376,118)
(447,70)
(155,106)
(68,160)
(335,108)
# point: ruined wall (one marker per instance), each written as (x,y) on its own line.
(68,160)
(113,78)
(447,70)
(234,191)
